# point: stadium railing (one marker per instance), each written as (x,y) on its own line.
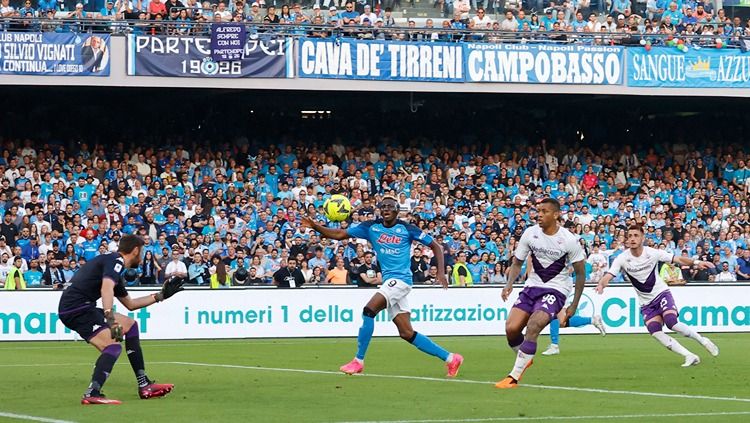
(394,33)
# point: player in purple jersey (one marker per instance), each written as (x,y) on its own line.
(550,247)
(640,265)
(102,277)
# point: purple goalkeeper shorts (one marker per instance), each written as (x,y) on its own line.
(662,303)
(534,298)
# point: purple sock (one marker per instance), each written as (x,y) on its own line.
(514,342)
(528,347)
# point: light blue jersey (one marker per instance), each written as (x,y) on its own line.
(392,246)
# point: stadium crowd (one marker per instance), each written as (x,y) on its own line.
(229,215)
(569,21)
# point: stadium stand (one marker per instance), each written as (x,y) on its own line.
(241,199)
(624,22)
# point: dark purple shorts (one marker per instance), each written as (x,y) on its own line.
(662,303)
(535,298)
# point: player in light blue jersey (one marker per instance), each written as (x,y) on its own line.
(391,239)
(575,321)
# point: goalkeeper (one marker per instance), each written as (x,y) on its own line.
(102,277)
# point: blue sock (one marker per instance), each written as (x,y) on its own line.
(365,334)
(578,321)
(554,331)
(425,344)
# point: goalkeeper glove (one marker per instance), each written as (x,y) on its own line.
(171,286)
(115,329)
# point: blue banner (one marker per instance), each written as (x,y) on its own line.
(704,68)
(228,41)
(344,58)
(49,53)
(159,55)
(544,63)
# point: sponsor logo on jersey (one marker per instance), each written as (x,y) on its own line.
(389,239)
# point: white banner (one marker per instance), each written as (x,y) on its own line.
(274,313)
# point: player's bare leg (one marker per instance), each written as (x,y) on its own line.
(452,361)
(514,328)
(376,304)
(525,356)
(670,319)
(654,327)
(146,387)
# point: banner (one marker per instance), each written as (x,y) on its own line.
(544,63)
(704,68)
(264,57)
(344,58)
(228,41)
(313,312)
(49,53)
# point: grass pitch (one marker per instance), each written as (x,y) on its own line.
(619,378)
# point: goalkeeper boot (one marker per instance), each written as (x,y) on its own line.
(154,390)
(94,397)
(353,367)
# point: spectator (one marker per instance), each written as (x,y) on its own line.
(289,276)
(219,277)
(339,275)
(461,275)
(149,269)
(743,265)
(176,267)
(725,275)
(370,274)
(157,8)
(318,277)
(14,280)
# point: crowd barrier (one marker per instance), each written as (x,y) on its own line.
(273,56)
(335,312)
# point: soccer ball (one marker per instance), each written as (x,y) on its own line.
(337,208)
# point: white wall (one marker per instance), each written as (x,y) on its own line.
(257,313)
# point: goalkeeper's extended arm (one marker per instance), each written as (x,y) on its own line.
(171,286)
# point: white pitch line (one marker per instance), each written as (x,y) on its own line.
(528,418)
(32,418)
(479,382)
(155,344)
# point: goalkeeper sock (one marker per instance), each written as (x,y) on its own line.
(135,355)
(103,368)
(578,321)
(364,336)
(427,346)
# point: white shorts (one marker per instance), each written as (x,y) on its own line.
(395,292)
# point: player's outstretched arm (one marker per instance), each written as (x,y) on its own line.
(514,271)
(603,283)
(170,287)
(332,233)
(687,261)
(580,269)
(437,251)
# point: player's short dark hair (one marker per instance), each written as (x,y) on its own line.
(552,202)
(638,228)
(128,243)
